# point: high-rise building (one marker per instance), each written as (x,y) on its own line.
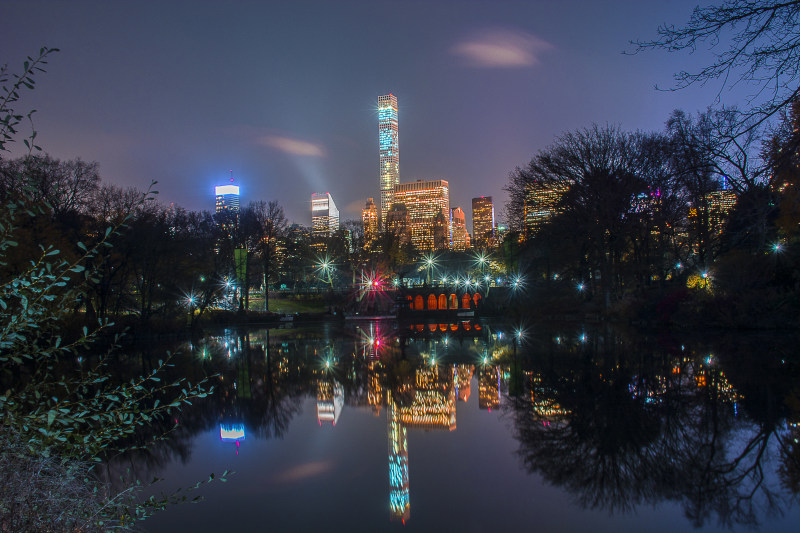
(324,215)
(398,223)
(541,204)
(483,232)
(459,238)
(369,219)
(389,151)
(424,200)
(227,198)
(441,231)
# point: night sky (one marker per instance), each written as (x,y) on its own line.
(284,93)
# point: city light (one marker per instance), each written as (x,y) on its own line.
(777,247)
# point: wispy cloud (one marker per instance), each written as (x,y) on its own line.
(501,48)
(293,146)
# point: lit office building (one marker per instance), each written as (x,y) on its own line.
(459,238)
(389,150)
(541,204)
(227,199)
(324,215)
(424,200)
(398,223)
(483,233)
(369,219)
(441,231)
(720,204)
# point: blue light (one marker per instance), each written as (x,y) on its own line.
(228,432)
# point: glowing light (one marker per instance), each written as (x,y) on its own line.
(777,247)
(231,432)
(581,286)
(222,190)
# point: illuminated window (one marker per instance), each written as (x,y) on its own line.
(431,301)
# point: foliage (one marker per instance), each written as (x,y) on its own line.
(59,415)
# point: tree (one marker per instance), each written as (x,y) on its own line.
(609,179)
(754,42)
(58,419)
(265,224)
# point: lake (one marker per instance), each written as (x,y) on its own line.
(482,426)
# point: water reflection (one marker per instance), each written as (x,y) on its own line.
(615,419)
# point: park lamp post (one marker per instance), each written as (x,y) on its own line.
(324,266)
(429,261)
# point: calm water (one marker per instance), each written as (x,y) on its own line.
(463,427)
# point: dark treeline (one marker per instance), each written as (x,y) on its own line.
(165,259)
(638,225)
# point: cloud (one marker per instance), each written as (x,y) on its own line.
(293,146)
(501,48)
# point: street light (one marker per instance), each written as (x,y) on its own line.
(430,262)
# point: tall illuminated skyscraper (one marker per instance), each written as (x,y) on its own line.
(483,233)
(459,238)
(227,198)
(389,151)
(542,202)
(369,219)
(424,200)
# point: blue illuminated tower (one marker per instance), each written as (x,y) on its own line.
(389,149)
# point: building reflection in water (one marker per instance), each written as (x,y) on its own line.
(489,387)
(566,407)
(463,377)
(399,503)
(330,399)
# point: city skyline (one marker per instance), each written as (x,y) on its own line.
(285,94)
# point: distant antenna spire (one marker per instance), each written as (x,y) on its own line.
(231,174)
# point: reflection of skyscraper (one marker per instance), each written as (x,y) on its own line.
(330,399)
(434,405)
(489,387)
(389,150)
(399,504)
(463,378)
(424,200)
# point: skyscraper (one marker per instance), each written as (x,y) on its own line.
(423,200)
(227,198)
(324,215)
(483,233)
(369,219)
(389,151)
(459,238)
(542,202)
